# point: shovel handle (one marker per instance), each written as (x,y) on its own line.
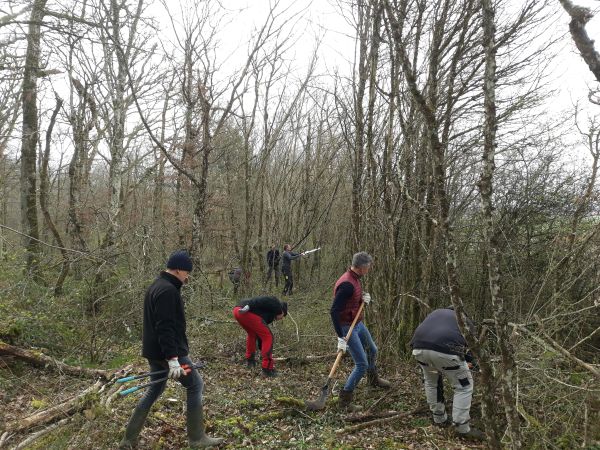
(348,334)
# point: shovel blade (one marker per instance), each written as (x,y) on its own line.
(319,403)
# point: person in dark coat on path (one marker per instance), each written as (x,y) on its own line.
(273,259)
(254,315)
(286,268)
(165,346)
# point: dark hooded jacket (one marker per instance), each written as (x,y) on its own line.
(164,320)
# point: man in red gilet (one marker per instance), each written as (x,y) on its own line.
(348,296)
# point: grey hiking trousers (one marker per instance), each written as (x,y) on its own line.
(455,369)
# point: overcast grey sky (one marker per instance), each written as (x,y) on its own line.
(322,18)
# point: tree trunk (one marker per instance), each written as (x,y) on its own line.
(30,138)
(358,145)
(445,226)
(508,366)
(44,194)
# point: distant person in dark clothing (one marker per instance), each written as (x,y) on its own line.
(235,276)
(441,350)
(254,315)
(286,268)
(165,345)
(273,259)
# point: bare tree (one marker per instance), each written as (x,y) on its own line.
(508,366)
(580,16)
(30,137)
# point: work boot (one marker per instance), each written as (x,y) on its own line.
(250,362)
(195,428)
(269,373)
(134,427)
(375,380)
(473,434)
(441,420)
(345,401)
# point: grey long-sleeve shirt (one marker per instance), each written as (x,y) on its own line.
(288,257)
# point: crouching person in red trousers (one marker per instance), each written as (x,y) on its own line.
(254,314)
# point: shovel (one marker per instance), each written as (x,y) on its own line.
(318,404)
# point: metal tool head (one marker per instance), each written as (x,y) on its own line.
(319,403)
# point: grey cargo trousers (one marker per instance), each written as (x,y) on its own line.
(455,369)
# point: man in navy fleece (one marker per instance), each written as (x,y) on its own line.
(348,296)
(441,350)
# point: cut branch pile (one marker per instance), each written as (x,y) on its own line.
(38,359)
(58,415)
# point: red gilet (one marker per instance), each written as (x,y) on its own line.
(352,304)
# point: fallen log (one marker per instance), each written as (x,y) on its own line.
(370,423)
(370,416)
(42,432)
(66,408)
(4,438)
(38,359)
(307,358)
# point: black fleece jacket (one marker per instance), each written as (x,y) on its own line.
(164,320)
(265,307)
(439,331)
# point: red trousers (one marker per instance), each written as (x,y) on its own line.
(256,329)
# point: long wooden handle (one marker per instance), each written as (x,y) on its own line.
(348,334)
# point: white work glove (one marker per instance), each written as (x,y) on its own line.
(342,345)
(175,370)
(245,309)
(366,297)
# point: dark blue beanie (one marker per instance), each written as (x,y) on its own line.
(180,260)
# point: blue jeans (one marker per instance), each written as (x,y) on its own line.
(192,382)
(363,351)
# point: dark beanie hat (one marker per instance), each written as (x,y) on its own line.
(180,260)
(284,308)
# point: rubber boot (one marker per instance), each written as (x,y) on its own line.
(345,402)
(441,420)
(134,427)
(473,434)
(250,362)
(195,427)
(269,373)
(375,380)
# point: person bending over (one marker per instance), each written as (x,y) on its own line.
(254,315)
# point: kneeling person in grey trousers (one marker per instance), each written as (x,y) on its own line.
(441,350)
(165,346)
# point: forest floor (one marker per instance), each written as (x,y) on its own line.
(241,406)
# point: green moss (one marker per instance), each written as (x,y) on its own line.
(251,404)
(290,401)
(567,441)
(235,422)
(38,403)
(531,419)
(420,422)
(577,378)
(273,415)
